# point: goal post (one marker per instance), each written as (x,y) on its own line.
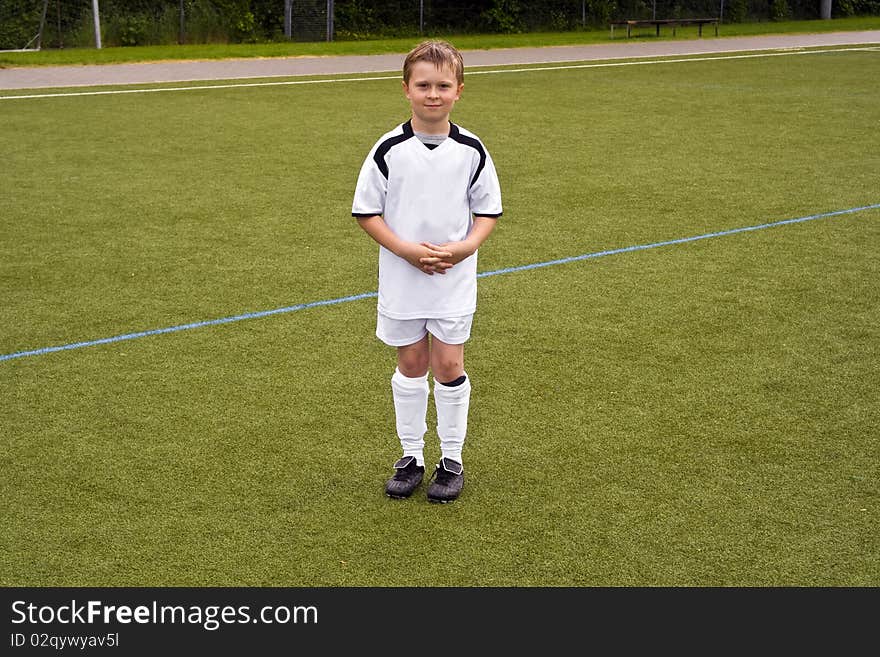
(310,20)
(96,14)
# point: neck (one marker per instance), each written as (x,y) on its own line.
(440,127)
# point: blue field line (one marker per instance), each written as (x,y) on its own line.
(682,240)
(193,325)
(369,295)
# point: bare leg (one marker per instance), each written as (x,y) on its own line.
(447,360)
(413,359)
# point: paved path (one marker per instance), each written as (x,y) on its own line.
(93,75)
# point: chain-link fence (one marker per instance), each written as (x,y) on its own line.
(70,23)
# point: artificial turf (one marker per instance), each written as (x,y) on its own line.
(701,413)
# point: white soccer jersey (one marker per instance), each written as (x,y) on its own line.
(427,195)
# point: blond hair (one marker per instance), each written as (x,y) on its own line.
(439,53)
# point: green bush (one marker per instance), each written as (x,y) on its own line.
(133,30)
(203,24)
(779,10)
(736,11)
(600,12)
(856,8)
(357,18)
(503,16)
(19,23)
(238,20)
(154,22)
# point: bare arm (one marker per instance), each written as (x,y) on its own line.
(481,229)
(421,256)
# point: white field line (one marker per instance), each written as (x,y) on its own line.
(783,52)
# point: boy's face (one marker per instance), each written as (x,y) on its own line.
(431,92)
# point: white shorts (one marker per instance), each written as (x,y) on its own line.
(403,332)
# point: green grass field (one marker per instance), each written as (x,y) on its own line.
(702,413)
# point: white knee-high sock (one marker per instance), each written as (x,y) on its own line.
(411,408)
(452,415)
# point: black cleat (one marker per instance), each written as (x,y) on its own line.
(406,479)
(448,481)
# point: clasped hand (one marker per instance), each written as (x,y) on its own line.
(437,258)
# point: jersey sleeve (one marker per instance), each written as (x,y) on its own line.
(372,186)
(485,191)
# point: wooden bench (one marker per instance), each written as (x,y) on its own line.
(657,22)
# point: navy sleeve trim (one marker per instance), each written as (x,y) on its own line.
(385,146)
(486,214)
(364,215)
(455,134)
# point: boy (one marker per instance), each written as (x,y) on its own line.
(429,195)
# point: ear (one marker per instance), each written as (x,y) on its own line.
(460,89)
(405,88)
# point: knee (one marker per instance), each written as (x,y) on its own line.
(447,368)
(412,364)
